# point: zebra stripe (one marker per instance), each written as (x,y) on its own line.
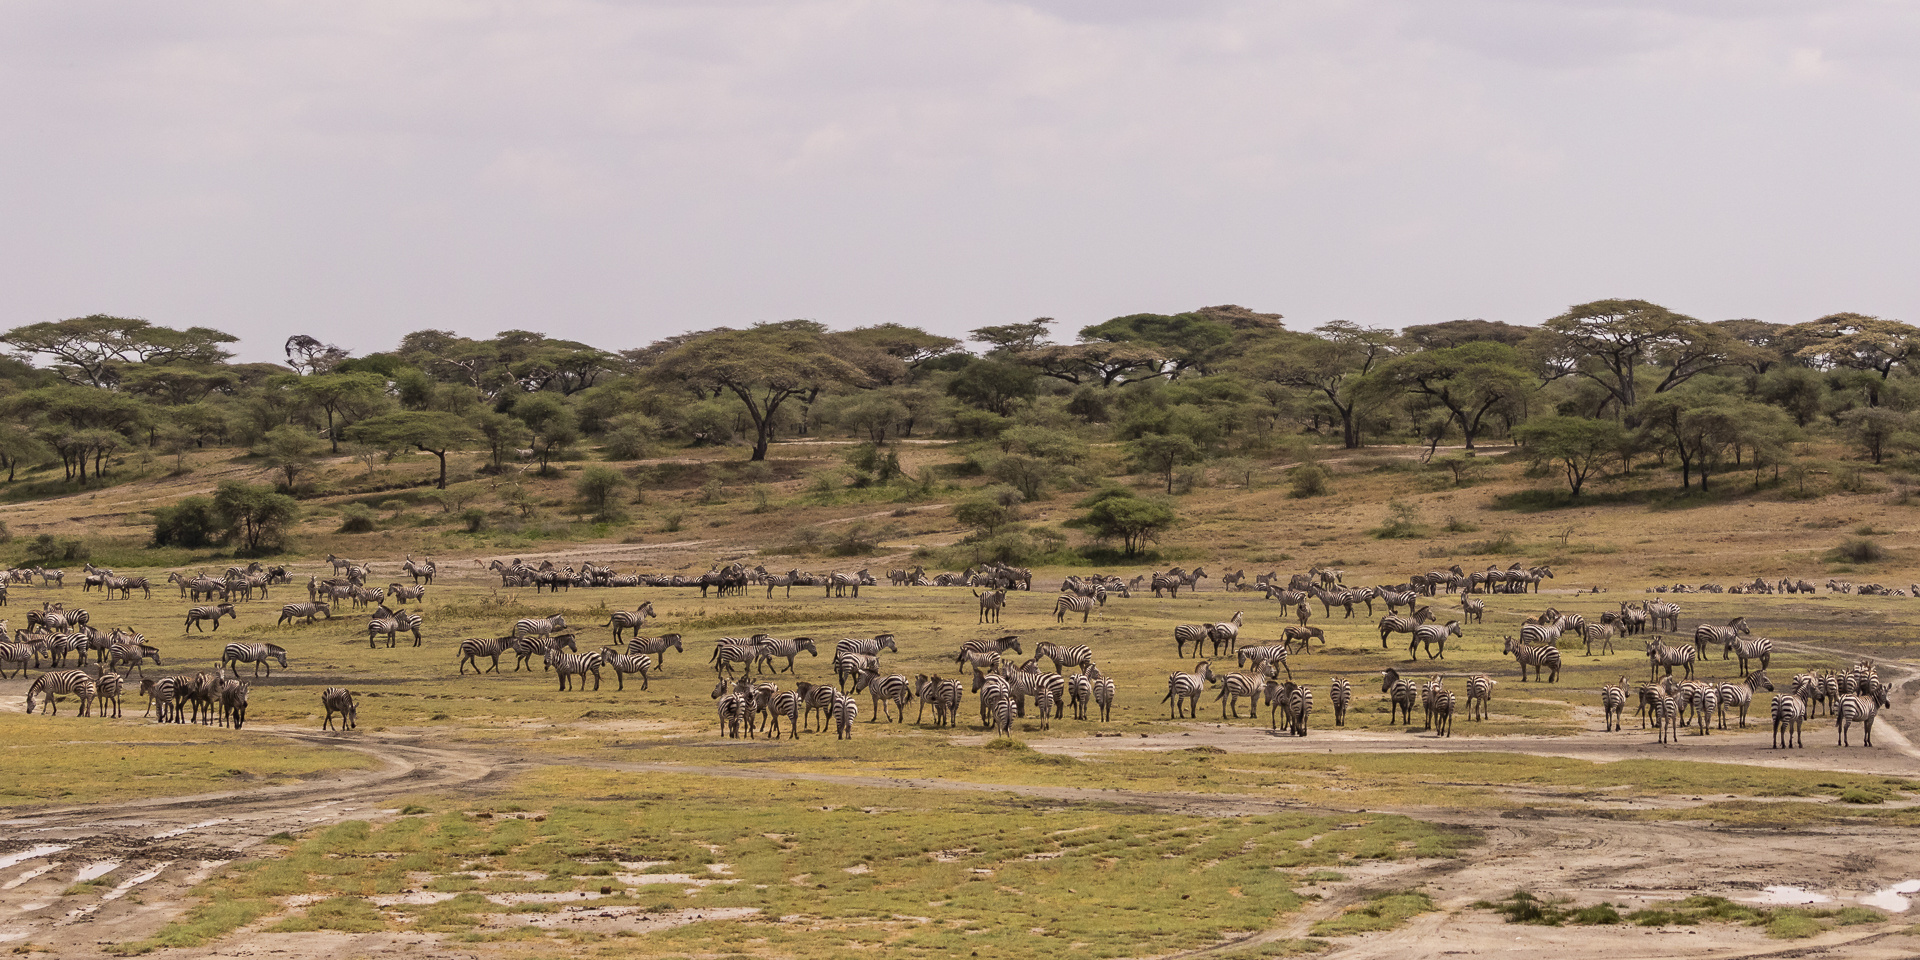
(1401,695)
(526,648)
(784,704)
(1861,709)
(61,683)
(1271,653)
(1613,705)
(893,688)
(1024,683)
(848,666)
(1235,686)
(1749,648)
(625,663)
(1067,603)
(999,646)
(996,711)
(728,651)
(845,711)
(1396,623)
(1789,714)
(1079,655)
(1707,635)
(303,611)
(1479,696)
(1443,707)
(625,620)
(538,626)
(111,687)
(1661,654)
(655,647)
(196,616)
(1666,712)
(258,654)
(871,646)
(1194,633)
(1188,687)
(770,648)
(473,648)
(1739,696)
(1340,693)
(570,665)
(1225,635)
(1294,700)
(161,695)
(1547,657)
(1429,636)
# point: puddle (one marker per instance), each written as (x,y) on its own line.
(29,854)
(1892,899)
(188,829)
(29,875)
(94,870)
(1788,897)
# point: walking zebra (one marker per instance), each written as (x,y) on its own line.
(1537,657)
(1292,699)
(625,663)
(1401,695)
(55,684)
(1102,692)
(893,688)
(816,698)
(845,711)
(539,626)
(1748,648)
(625,620)
(1194,633)
(197,615)
(1861,709)
(303,611)
(1430,636)
(473,648)
(1068,603)
(1188,687)
(570,665)
(770,648)
(1473,609)
(258,654)
(1272,653)
(786,704)
(526,648)
(1739,696)
(1340,694)
(1613,706)
(872,646)
(1666,715)
(339,700)
(1601,633)
(655,647)
(1443,706)
(728,651)
(990,604)
(847,666)
(1479,696)
(1305,636)
(1706,635)
(1235,686)
(1789,715)
(1397,623)
(15,656)
(1664,615)
(1538,634)
(1079,655)
(733,710)
(1661,654)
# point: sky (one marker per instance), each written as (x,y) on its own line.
(616,172)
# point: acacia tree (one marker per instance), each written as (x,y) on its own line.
(1471,382)
(1116,513)
(1328,365)
(1578,446)
(343,397)
(91,349)
(427,431)
(1610,341)
(763,367)
(1859,342)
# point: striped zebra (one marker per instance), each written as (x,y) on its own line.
(55,684)
(893,688)
(1395,598)
(1862,709)
(1237,686)
(1431,636)
(1473,609)
(233,704)
(1063,656)
(1188,687)
(728,651)
(1290,698)
(933,691)
(816,698)
(1601,633)
(845,711)
(630,620)
(1664,615)
(1613,705)
(1749,648)
(1789,715)
(991,603)
(997,710)
(1537,657)
(1079,695)
(65,644)
(838,584)
(1401,695)
(770,648)
(1444,702)
(1429,695)
(15,656)
(539,626)
(1739,696)
(258,654)
(392,623)
(1271,653)
(1024,683)
(526,648)
(1661,654)
(1701,702)
(1304,636)
(161,694)
(988,661)
(1537,634)
(871,646)
(785,703)
(197,616)
(200,693)
(303,611)
(1225,635)
(848,666)
(1102,692)
(734,711)
(1000,646)
(111,688)
(1666,715)
(1169,581)
(1068,603)
(1397,623)
(570,665)
(1340,694)
(1194,633)
(655,647)
(1707,635)
(623,663)
(473,648)
(1479,696)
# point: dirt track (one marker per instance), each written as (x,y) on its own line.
(157,849)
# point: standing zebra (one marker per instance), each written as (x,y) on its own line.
(306,611)
(1473,609)
(1340,693)
(625,620)
(728,651)
(1272,653)
(1664,615)
(110,687)
(1068,603)
(1292,699)
(1194,633)
(1479,696)
(625,663)
(258,654)
(539,626)
(1047,689)
(162,696)
(1601,633)
(526,648)
(1661,654)
(570,665)
(55,684)
(1236,686)
(473,648)
(1102,692)
(1401,695)
(770,648)
(1861,709)
(1188,687)
(996,710)
(1305,636)
(990,604)
(845,711)
(1739,696)
(999,646)
(1537,657)
(893,688)
(1613,705)
(1430,636)
(655,647)
(1079,695)
(786,704)
(1225,635)
(1443,706)
(339,700)
(1706,635)
(197,615)
(1079,655)
(933,691)
(1397,623)
(872,646)
(233,704)
(1748,648)
(1789,714)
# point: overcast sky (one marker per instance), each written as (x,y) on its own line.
(616,172)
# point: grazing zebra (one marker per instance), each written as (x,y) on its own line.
(1430,636)
(845,711)
(1664,615)
(473,648)
(728,651)
(570,665)
(1613,705)
(1078,655)
(111,687)
(624,663)
(1305,636)
(55,684)
(1601,633)
(655,647)
(893,688)
(538,626)
(1861,709)
(1661,654)
(1272,653)
(1225,635)
(198,615)
(1292,699)
(1739,696)
(1079,695)
(1666,715)
(1102,692)
(526,648)
(1479,696)
(872,646)
(1188,687)
(770,648)
(1789,714)
(1194,633)
(1401,695)
(1068,603)
(1235,686)
(1340,693)
(258,654)
(624,620)
(1027,681)
(1442,718)
(990,604)
(233,704)
(161,697)
(1749,648)
(933,691)
(1397,623)
(847,666)
(1537,657)
(392,623)
(405,594)
(1706,635)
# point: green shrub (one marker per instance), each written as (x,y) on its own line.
(1857,550)
(1309,480)
(474,518)
(357,518)
(47,549)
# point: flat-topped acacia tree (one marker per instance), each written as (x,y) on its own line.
(763,366)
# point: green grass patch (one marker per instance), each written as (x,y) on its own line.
(1781,923)
(1383,911)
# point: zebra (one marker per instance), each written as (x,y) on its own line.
(1706,635)
(990,604)
(1789,714)
(996,710)
(1473,609)
(1537,657)
(655,647)
(15,655)
(1479,696)
(160,696)
(816,698)
(839,583)
(1225,634)
(1442,718)
(61,683)
(1401,695)
(1739,696)
(233,704)
(1236,686)
(1188,687)
(935,692)
(1294,700)
(526,648)
(1340,694)
(1079,695)
(404,593)
(473,648)
(417,570)
(872,646)
(1538,634)
(197,615)
(785,703)
(847,666)
(1068,603)
(770,648)
(1703,702)
(1063,656)
(997,646)
(728,651)
(201,691)
(1194,633)
(1429,696)
(1397,623)
(630,620)
(1613,705)
(538,626)
(1169,581)
(1663,615)
(1660,654)
(570,665)
(393,623)
(1600,633)
(258,654)
(893,688)
(1024,682)
(1666,713)
(623,663)
(110,687)
(845,711)
(1431,635)
(1274,653)
(1102,692)
(1748,648)
(1861,709)
(1305,636)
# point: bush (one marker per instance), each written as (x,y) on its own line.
(1309,480)
(191,523)
(1403,523)
(1857,550)
(48,549)
(599,488)
(474,518)
(357,518)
